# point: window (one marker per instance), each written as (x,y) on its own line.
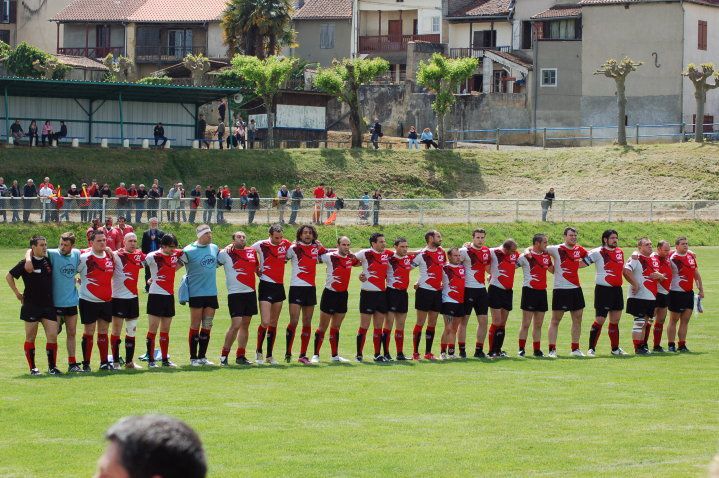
(179,43)
(327,35)
(484,39)
(549,77)
(526,35)
(702,30)
(435,24)
(562,30)
(5,36)
(8,11)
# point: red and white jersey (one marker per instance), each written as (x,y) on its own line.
(127,272)
(683,268)
(502,267)
(398,269)
(609,264)
(476,262)
(665,267)
(113,239)
(374,266)
(430,265)
(96,273)
(642,267)
(162,269)
(453,281)
(339,270)
(534,268)
(121,234)
(304,258)
(272,259)
(240,267)
(566,265)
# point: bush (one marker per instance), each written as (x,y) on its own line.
(19,62)
(155,80)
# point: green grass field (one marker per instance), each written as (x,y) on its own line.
(633,416)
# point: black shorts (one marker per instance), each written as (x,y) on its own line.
(91,312)
(161,305)
(500,298)
(453,309)
(372,301)
(333,302)
(428,300)
(568,300)
(679,301)
(477,299)
(606,299)
(303,295)
(534,300)
(126,308)
(34,313)
(66,311)
(271,292)
(641,308)
(662,301)
(203,302)
(397,301)
(242,304)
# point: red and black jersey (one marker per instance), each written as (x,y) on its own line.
(374,266)
(339,270)
(683,269)
(127,272)
(240,268)
(96,272)
(304,258)
(453,283)
(272,259)
(534,268)
(566,265)
(430,265)
(502,268)
(398,269)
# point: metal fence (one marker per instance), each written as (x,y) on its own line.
(355,211)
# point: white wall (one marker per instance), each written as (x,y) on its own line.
(692,54)
(216,47)
(374,5)
(459,33)
(524,10)
(33,26)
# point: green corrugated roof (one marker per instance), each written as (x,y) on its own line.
(95,90)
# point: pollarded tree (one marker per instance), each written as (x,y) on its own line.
(267,76)
(700,76)
(618,71)
(443,76)
(343,80)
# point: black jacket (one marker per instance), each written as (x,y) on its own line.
(201,127)
(159,131)
(146,241)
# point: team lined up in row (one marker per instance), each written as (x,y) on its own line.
(450,283)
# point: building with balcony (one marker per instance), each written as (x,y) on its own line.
(324,31)
(154,34)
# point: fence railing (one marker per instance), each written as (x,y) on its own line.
(356,211)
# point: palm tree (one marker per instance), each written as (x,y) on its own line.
(257,27)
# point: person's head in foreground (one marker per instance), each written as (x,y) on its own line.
(152,446)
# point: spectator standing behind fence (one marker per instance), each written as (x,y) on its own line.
(84,203)
(4,193)
(159,134)
(243,196)
(201,131)
(123,201)
(196,195)
(94,226)
(181,206)
(140,203)
(73,198)
(131,201)
(16,131)
(547,203)
(47,133)
(364,206)
(45,192)
(427,139)
(29,194)
(104,206)
(153,201)
(33,133)
(376,133)
(283,196)
(221,110)
(239,133)
(210,203)
(251,132)
(225,204)
(15,193)
(376,199)
(412,138)
(173,203)
(330,201)
(151,242)
(319,194)
(221,134)
(296,203)
(253,204)
(94,192)
(62,133)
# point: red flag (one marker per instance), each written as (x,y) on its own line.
(331,220)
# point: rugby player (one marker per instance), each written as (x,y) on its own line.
(475,257)
(398,268)
(241,266)
(567,295)
(534,263)
(373,295)
(333,303)
(685,271)
(271,255)
(129,261)
(37,304)
(200,260)
(503,263)
(96,269)
(662,252)
(608,297)
(643,275)
(453,283)
(161,300)
(304,255)
(428,296)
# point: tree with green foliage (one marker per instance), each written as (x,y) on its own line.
(443,76)
(120,68)
(618,71)
(5,50)
(258,27)
(267,77)
(22,61)
(700,77)
(343,80)
(198,65)
(155,80)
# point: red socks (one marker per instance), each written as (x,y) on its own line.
(399,340)
(575,346)
(164,344)
(319,338)
(29,348)
(261,332)
(658,329)
(536,345)
(240,352)
(416,337)
(334,341)
(306,334)
(377,341)
(613,331)
(102,344)
(225,352)
(492,330)
(522,343)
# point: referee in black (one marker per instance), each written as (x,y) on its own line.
(37,306)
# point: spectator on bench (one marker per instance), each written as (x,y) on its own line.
(47,132)
(32,132)
(16,131)
(62,133)
(159,134)
(427,139)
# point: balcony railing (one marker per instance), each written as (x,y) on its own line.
(92,52)
(382,43)
(165,54)
(475,52)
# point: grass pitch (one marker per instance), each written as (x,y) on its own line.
(633,416)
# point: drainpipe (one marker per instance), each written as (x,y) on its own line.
(681,78)
(535,82)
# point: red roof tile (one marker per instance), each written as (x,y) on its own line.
(483,8)
(559,11)
(324,9)
(144,11)
(81,62)
(713,3)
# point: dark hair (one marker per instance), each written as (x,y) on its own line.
(429,234)
(451,250)
(509,243)
(35,239)
(663,243)
(606,234)
(479,231)
(339,239)
(680,239)
(375,237)
(68,236)
(569,229)
(642,239)
(153,445)
(538,238)
(168,240)
(301,230)
(274,228)
(399,241)
(95,233)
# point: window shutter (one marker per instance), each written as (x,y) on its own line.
(702,32)
(13,11)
